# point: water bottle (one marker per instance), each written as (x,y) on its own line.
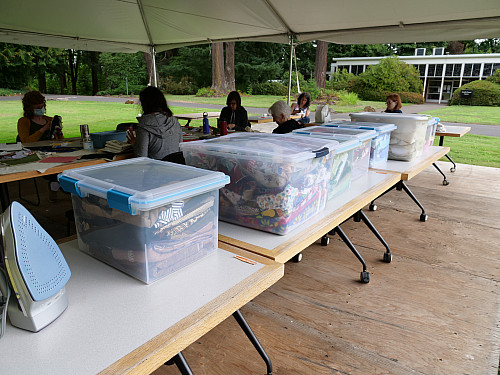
(206,127)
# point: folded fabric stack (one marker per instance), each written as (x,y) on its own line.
(117,147)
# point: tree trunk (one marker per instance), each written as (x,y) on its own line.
(218,78)
(42,82)
(229,67)
(74,64)
(321,63)
(94,66)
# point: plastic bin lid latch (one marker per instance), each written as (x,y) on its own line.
(119,200)
(69,185)
(321,152)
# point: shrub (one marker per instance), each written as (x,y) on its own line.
(269,88)
(341,80)
(389,75)
(122,90)
(9,92)
(380,96)
(185,86)
(347,98)
(495,78)
(311,87)
(485,93)
(208,92)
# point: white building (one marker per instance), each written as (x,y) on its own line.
(441,73)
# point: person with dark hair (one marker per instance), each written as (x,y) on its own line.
(302,108)
(34,125)
(234,113)
(281,115)
(159,132)
(394,105)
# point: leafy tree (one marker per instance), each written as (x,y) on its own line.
(120,68)
(15,66)
(193,62)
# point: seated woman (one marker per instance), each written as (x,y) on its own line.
(158,133)
(394,105)
(34,125)
(234,114)
(281,115)
(302,108)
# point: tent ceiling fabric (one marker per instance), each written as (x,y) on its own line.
(138,25)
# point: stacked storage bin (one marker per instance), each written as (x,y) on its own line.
(361,146)
(407,141)
(278,181)
(145,217)
(380,143)
(431,132)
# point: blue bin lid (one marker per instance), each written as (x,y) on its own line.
(338,132)
(379,127)
(141,184)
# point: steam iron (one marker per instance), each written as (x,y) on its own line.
(37,271)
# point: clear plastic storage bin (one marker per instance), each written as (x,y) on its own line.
(379,150)
(278,181)
(145,217)
(361,152)
(431,132)
(99,139)
(407,141)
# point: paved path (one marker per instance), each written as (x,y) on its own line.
(490,130)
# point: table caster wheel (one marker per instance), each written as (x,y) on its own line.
(388,257)
(325,240)
(423,217)
(297,258)
(373,207)
(446,182)
(365,277)
(452,169)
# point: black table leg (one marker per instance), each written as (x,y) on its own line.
(181,364)
(445,181)
(248,331)
(454,168)
(360,216)
(365,275)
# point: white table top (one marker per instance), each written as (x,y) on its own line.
(409,169)
(454,131)
(110,314)
(282,248)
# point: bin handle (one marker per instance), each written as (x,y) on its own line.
(321,152)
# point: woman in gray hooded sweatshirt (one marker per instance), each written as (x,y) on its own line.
(159,133)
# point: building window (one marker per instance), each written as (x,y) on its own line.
(439,70)
(421,69)
(467,70)
(456,70)
(432,70)
(495,68)
(438,51)
(449,70)
(487,70)
(357,69)
(342,67)
(419,51)
(476,70)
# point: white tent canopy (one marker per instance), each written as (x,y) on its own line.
(141,25)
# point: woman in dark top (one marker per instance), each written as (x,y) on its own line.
(234,114)
(394,105)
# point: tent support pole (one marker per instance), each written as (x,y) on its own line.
(153,67)
(290,72)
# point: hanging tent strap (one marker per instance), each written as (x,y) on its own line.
(290,70)
(296,70)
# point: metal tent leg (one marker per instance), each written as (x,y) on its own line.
(181,364)
(361,216)
(365,276)
(445,181)
(251,336)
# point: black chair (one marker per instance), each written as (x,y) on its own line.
(125,125)
(176,157)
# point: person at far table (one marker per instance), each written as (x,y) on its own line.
(302,108)
(34,125)
(159,132)
(281,113)
(234,113)
(394,105)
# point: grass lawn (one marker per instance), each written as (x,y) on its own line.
(102,116)
(473,149)
(468,114)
